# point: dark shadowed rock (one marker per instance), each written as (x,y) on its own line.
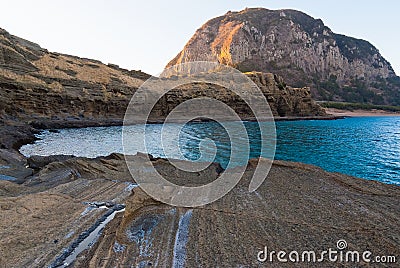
(13,166)
(38,161)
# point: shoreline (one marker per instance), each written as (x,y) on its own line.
(117,123)
(16,133)
(84,123)
(359,113)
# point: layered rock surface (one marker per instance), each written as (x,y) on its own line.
(298,207)
(299,48)
(39,85)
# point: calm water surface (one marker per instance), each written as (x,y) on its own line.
(365,147)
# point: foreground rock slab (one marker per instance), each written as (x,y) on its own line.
(298,207)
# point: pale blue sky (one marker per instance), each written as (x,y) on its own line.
(147,34)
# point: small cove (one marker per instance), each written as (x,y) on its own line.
(365,147)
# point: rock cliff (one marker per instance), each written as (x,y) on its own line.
(37,85)
(284,101)
(48,89)
(299,48)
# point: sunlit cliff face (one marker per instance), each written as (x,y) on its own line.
(301,49)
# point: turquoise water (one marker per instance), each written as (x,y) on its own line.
(365,147)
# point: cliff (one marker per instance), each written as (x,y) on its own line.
(284,101)
(47,89)
(299,48)
(41,86)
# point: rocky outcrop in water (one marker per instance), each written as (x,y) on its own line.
(284,101)
(299,48)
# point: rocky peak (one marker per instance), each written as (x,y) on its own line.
(16,53)
(301,49)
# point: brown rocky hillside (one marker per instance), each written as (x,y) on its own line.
(48,89)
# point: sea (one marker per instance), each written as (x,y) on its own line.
(364,147)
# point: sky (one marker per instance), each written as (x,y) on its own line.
(146,35)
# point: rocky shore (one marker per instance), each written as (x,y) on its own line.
(298,207)
(46,203)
